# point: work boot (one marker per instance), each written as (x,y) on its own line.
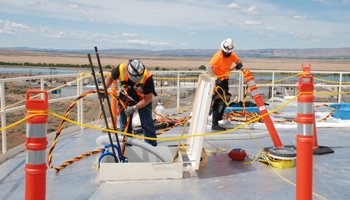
(215,120)
(217,128)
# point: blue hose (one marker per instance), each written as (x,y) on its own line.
(106,152)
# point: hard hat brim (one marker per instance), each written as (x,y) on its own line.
(135,78)
(224,49)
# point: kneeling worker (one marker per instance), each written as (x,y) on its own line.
(139,85)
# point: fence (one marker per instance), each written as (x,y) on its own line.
(171,85)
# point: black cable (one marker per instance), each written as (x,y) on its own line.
(103,111)
(105,88)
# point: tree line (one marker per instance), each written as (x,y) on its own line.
(49,65)
(202,67)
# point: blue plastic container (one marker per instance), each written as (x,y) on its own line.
(342,110)
(248,109)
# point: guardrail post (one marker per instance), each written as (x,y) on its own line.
(80,107)
(305,126)
(178,91)
(3,117)
(36,143)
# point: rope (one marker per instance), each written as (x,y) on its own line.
(75,159)
(50,153)
(270,161)
(179,121)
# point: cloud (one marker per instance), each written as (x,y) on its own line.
(36,4)
(50,33)
(234,9)
(9,27)
(307,38)
(250,23)
(71,7)
(321,1)
(267,33)
(251,10)
(232,6)
(149,43)
(128,35)
(163,23)
(44,32)
(298,17)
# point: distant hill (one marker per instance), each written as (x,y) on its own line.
(317,53)
(321,53)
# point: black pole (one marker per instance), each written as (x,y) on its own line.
(105,88)
(103,110)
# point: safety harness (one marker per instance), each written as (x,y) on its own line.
(138,87)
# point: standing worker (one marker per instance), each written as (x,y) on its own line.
(220,66)
(138,83)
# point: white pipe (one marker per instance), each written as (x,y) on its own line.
(104,140)
(225,136)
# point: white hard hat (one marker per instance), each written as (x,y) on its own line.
(228,45)
(135,70)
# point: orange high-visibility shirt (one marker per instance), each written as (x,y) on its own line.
(222,65)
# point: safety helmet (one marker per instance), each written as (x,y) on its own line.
(135,70)
(228,45)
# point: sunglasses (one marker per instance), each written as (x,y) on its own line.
(227,48)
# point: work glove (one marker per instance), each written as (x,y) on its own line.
(239,66)
(130,110)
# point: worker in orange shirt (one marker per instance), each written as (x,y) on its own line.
(220,66)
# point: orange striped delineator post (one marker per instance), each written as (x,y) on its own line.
(262,108)
(305,128)
(317,150)
(36,143)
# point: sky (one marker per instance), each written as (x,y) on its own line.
(174,24)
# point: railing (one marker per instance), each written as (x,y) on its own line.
(41,80)
(329,86)
(182,84)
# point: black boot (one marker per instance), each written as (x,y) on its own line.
(215,122)
(217,128)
